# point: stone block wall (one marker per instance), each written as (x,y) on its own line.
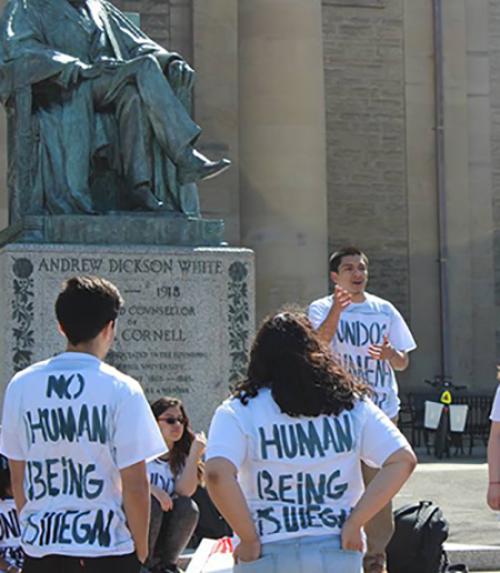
(494,42)
(365,102)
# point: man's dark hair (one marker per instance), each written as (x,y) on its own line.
(288,357)
(85,305)
(336,257)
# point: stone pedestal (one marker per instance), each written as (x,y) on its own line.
(185,329)
(124,228)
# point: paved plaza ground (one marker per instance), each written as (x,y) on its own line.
(458,486)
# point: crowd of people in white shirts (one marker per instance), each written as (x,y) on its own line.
(301,462)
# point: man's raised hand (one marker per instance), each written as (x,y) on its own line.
(341,299)
(384,351)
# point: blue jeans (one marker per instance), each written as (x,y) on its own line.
(304,555)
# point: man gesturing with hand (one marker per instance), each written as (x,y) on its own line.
(370,338)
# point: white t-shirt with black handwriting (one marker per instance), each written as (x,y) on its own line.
(362,324)
(161,475)
(76,422)
(495,410)
(300,476)
(10,534)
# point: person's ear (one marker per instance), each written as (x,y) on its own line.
(333,277)
(107,330)
(61,329)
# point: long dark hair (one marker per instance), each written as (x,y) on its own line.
(180,451)
(288,357)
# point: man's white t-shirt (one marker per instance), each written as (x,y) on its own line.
(10,532)
(76,422)
(300,476)
(161,475)
(495,410)
(362,324)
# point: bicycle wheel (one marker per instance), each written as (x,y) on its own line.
(441,437)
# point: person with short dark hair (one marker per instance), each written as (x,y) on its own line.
(370,338)
(284,453)
(11,553)
(78,434)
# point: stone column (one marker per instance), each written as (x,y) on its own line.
(215,58)
(479,60)
(283,148)
(468,192)
(4,215)
(421,185)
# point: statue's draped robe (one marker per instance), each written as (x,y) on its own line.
(41,41)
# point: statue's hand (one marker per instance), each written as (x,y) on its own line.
(90,72)
(181,74)
(105,63)
(75,71)
(102,65)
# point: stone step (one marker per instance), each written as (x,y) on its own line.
(476,557)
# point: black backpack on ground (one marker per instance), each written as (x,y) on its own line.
(417,544)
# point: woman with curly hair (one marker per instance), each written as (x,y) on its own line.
(284,456)
(173,478)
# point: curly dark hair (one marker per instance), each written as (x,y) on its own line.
(178,454)
(288,357)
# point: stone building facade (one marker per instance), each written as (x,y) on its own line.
(327,108)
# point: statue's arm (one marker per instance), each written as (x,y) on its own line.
(136,42)
(26,54)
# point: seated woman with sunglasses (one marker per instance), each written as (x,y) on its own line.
(174,479)
(284,456)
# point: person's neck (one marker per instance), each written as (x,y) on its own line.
(87,348)
(170,445)
(359,297)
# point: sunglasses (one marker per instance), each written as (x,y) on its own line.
(171,420)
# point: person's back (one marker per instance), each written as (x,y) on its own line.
(301,476)
(284,456)
(77,431)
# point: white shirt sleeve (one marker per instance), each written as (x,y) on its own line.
(11,442)
(400,335)
(380,438)
(136,437)
(495,410)
(317,313)
(226,438)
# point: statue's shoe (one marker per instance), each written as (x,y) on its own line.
(194,166)
(143,199)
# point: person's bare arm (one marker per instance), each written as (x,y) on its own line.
(398,359)
(17,469)
(341,300)
(493,497)
(136,504)
(162,496)
(187,482)
(394,473)
(226,493)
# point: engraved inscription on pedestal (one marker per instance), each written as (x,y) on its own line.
(185,328)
